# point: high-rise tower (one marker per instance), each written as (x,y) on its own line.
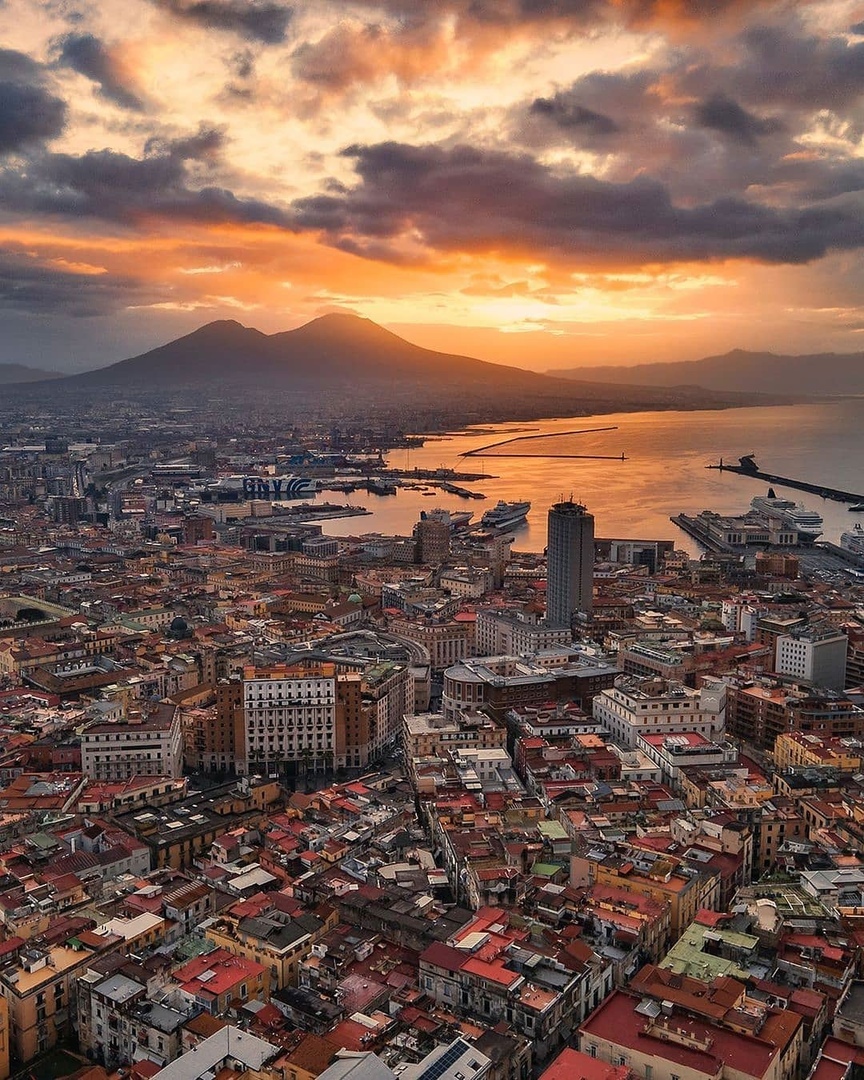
(570,554)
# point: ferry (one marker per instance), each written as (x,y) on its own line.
(807,522)
(506,515)
(270,488)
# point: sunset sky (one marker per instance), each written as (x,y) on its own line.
(548,183)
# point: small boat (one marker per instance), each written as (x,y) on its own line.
(857,508)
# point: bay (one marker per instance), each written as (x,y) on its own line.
(664,472)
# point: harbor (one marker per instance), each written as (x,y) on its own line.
(747,467)
(701,534)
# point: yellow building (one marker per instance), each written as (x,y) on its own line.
(37,993)
(4,1038)
(795,749)
(663,882)
(271,939)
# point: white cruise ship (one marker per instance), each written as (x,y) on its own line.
(853,541)
(807,522)
(506,515)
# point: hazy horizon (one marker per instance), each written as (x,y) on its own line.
(437,338)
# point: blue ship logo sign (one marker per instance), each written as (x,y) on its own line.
(276,487)
(257,487)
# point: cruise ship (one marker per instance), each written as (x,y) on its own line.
(506,515)
(853,541)
(271,488)
(807,522)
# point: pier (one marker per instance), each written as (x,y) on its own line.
(479,451)
(694,528)
(747,467)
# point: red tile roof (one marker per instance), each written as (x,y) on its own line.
(574,1065)
(617,1022)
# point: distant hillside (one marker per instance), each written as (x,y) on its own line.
(740,371)
(18,373)
(343,358)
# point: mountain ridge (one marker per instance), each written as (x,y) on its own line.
(341,364)
(336,341)
(20,374)
(740,370)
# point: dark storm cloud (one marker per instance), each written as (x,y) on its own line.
(467,199)
(112,186)
(566,112)
(700,127)
(784,68)
(87,55)
(36,287)
(509,11)
(492,13)
(18,67)
(29,113)
(721,113)
(204,145)
(413,40)
(607,111)
(258,21)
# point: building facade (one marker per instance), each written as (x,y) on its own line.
(638,707)
(570,555)
(814,654)
(147,744)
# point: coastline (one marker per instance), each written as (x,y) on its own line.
(664,472)
(480,428)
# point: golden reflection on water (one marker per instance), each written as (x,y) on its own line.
(664,472)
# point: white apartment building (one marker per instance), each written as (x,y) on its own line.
(814,654)
(289,716)
(634,707)
(466,584)
(505,633)
(739,616)
(684,750)
(149,744)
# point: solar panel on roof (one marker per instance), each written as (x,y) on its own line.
(450,1057)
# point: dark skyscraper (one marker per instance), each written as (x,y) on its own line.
(570,551)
